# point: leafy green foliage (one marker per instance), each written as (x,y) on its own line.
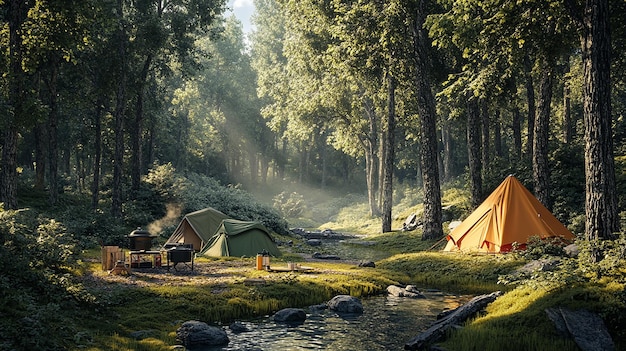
(195,192)
(291,205)
(537,248)
(35,286)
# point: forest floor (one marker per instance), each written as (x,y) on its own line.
(208,272)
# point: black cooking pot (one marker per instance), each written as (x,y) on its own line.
(180,254)
(140,239)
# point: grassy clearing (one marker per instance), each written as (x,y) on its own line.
(156,308)
(468,274)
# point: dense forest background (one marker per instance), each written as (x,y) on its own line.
(99,96)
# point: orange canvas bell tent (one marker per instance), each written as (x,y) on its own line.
(511,214)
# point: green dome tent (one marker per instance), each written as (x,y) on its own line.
(197,228)
(240,238)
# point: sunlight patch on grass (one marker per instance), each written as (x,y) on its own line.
(462,273)
(519,316)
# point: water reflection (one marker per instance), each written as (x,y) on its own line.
(386,324)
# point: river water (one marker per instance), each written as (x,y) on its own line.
(387,323)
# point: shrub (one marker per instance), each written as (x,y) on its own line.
(291,205)
(36,289)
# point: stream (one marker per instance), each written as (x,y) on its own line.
(387,323)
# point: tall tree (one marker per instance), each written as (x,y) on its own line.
(473,150)
(387,193)
(14,94)
(119,113)
(432,228)
(540,147)
(601,212)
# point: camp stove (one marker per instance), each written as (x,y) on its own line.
(182,253)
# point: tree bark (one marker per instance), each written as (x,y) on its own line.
(456,317)
(8,167)
(389,156)
(497,134)
(601,196)
(568,126)
(53,147)
(473,151)
(541,172)
(432,228)
(120,109)
(517,133)
(97,145)
(446,139)
(381,166)
(137,137)
(40,157)
(485,135)
(530,96)
(370,144)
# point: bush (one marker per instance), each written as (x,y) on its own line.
(34,288)
(292,205)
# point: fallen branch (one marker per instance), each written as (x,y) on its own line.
(438,329)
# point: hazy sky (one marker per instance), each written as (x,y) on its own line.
(243,9)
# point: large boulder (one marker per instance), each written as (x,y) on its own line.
(585,327)
(195,334)
(290,316)
(314,242)
(571,250)
(367,264)
(345,304)
(408,291)
(238,327)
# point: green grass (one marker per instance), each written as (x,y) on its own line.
(471,274)
(160,308)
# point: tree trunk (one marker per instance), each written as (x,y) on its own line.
(281,163)
(601,195)
(541,170)
(432,228)
(497,134)
(387,193)
(370,144)
(530,96)
(40,156)
(265,165)
(149,159)
(485,134)
(120,109)
(456,317)
(53,147)
(97,145)
(254,166)
(137,137)
(324,156)
(473,151)
(446,139)
(381,167)
(568,125)
(8,167)
(517,133)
